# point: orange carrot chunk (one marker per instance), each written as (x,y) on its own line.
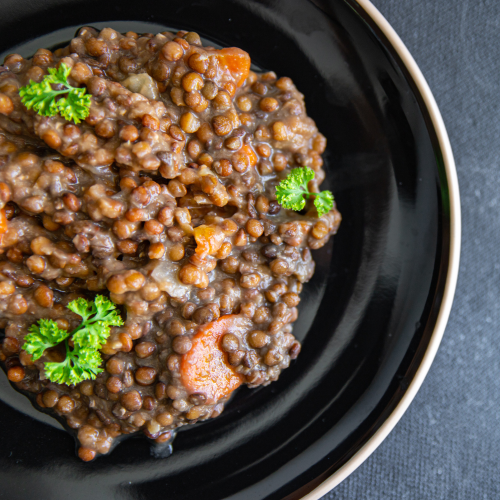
(205,368)
(3,221)
(208,239)
(237,61)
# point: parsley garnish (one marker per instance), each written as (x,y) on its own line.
(290,192)
(83,361)
(42,97)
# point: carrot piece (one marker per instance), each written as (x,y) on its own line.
(251,155)
(3,221)
(237,61)
(208,239)
(205,369)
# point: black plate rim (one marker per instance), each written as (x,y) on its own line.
(378,23)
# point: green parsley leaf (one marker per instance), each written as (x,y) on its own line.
(43,336)
(98,317)
(75,107)
(82,307)
(42,98)
(83,361)
(323,202)
(292,190)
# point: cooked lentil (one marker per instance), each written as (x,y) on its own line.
(164,197)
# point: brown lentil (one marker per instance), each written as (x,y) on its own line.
(50,398)
(156,250)
(65,404)
(172,51)
(198,62)
(268,104)
(114,385)
(145,349)
(230,343)
(222,101)
(44,296)
(222,125)
(131,400)
(145,375)
(254,228)
(258,339)
(16,374)
(6,104)
(189,122)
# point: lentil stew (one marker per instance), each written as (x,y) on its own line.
(163,198)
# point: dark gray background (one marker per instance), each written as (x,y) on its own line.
(447,445)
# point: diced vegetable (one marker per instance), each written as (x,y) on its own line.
(208,239)
(3,221)
(237,61)
(142,84)
(205,368)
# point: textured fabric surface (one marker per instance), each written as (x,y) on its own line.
(447,445)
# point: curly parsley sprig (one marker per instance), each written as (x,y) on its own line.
(49,102)
(83,360)
(290,192)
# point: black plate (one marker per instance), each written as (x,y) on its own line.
(368,314)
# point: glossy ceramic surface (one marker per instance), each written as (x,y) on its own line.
(366,318)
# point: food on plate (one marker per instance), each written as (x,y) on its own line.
(159,202)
